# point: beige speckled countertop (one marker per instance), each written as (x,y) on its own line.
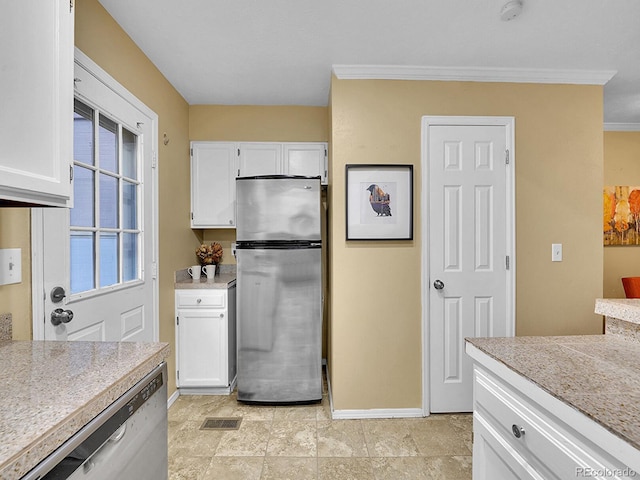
(225,277)
(598,375)
(49,390)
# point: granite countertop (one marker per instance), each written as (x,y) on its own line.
(598,375)
(49,390)
(225,277)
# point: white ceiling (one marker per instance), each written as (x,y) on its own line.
(280,52)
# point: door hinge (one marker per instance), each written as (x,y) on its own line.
(177,320)
(506,157)
(71,6)
(70,173)
(238,152)
(154,270)
(154,159)
(178,374)
(191,151)
(191,215)
(507,262)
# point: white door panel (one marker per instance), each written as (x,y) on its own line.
(469,231)
(108,273)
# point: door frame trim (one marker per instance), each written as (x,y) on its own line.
(38,294)
(428,121)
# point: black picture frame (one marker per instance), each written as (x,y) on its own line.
(379,202)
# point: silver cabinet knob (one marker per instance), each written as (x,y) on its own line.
(517,431)
(438,285)
(199,301)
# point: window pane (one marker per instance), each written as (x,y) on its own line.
(82,266)
(82,213)
(82,133)
(108,259)
(108,135)
(129,205)
(130,256)
(129,154)
(108,201)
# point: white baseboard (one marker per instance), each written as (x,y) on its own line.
(376,413)
(172,398)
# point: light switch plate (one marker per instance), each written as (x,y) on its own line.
(556,252)
(10,266)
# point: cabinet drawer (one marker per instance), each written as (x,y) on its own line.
(201,298)
(552,448)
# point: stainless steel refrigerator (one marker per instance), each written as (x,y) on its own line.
(279,289)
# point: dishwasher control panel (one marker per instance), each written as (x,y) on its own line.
(144,394)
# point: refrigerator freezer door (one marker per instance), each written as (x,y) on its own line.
(278,208)
(279,325)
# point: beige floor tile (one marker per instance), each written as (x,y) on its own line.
(183,467)
(292,439)
(447,468)
(296,412)
(290,468)
(344,438)
(422,468)
(234,468)
(435,437)
(249,441)
(345,469)
(389,438)
(190,441)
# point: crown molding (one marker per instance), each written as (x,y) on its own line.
(622,127)
(472,74)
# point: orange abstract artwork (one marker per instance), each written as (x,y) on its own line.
(621,219)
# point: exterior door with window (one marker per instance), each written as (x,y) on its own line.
(100,254)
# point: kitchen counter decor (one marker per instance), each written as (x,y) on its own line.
(209,254)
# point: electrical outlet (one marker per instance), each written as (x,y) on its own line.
(10,266)
(556,252)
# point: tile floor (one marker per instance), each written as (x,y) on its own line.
(303,442)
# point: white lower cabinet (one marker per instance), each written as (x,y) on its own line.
(205,340)
(517,438)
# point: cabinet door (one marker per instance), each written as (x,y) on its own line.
(213,186)
(260,159)
(308,159)
(202,348)
(36,85)
(494,458)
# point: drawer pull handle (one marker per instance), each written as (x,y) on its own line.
(517,431)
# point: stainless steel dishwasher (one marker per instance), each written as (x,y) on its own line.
(127,441)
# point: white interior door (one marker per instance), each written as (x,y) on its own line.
(470,243)
(101,254)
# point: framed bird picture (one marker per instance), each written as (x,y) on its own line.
(379,202)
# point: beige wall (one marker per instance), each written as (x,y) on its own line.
(621,167)
(102,39)
(376,338)
(15,232)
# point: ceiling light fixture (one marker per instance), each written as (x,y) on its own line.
(511,10)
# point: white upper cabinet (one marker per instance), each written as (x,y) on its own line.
(260,159)
(213,185)
(309,159)
(36,94)
(302,158)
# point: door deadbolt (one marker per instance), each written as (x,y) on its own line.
(57,294)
